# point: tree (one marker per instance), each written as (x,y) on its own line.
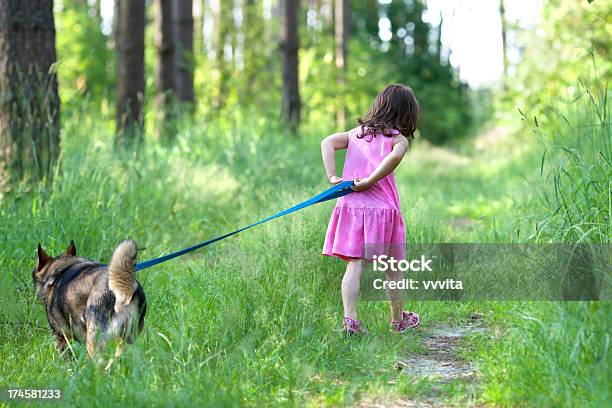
(83,52)
(130,69)
(29,100)
(325,8)
(504,31)
(421,29)
(342,27)
(164,45)
(96,12)
(198,25)
(573,46)
(223,22)
(183,31)
(164,67)
(414,57)
(289,45)
(439,38)
(371,21)
(254,43)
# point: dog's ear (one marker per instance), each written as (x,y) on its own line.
(71,249)
(43,258)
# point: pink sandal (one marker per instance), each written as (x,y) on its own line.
(353,327)
(409,320)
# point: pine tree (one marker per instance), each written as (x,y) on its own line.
(342,27)
(29,100)
(183,32)
(130,69)
(165,50)
(289,45)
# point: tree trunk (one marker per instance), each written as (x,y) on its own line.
(254,46)
(130,70)
(325,10)
(421,30)
(504,28)
(439,39)
(183,31)
(289,45)
(97,13)
(234,38)
(198,25)
(342,30)
(372,23)
(113,37)
(164,44)
(223,28)
(164,69)
(342,26)
(29,101)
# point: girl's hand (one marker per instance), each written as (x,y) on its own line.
(361,184)
(335,180)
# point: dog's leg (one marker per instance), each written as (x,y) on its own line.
(119,349)
(61,342)
(118,352)
(109,365)
(91,337)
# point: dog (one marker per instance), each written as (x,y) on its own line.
(89,301)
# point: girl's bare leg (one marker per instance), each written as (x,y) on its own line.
(350,287)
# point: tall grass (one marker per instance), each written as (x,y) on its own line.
(552,355)
(557,354)
(30,143)
(253,320)
(250,320)
(577,162)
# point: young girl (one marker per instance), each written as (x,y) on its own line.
(371,215)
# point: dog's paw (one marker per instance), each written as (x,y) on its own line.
(109,365)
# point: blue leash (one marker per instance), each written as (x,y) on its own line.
(336,191)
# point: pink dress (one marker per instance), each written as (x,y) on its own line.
(367,222)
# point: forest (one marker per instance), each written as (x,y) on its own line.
(174,121)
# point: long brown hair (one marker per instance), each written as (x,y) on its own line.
(395,107)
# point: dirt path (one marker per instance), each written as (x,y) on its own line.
(440,363)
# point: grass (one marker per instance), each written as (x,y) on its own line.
(557,353)
(253,320)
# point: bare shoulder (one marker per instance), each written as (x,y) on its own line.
(354,131)
(401,142)
(344,136)
(337,140)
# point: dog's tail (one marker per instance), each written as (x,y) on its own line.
(122,271)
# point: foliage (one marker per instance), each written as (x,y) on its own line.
(572,41)
(411,56)
(85,59)
(578,159)
(240,69)
(557,354)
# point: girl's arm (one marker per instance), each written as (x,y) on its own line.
(329,145)
(386,166)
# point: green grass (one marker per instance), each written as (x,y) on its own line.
(254,319)
(557,353)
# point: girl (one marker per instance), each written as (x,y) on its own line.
(371,215)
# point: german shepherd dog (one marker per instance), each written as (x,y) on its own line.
(89,301)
